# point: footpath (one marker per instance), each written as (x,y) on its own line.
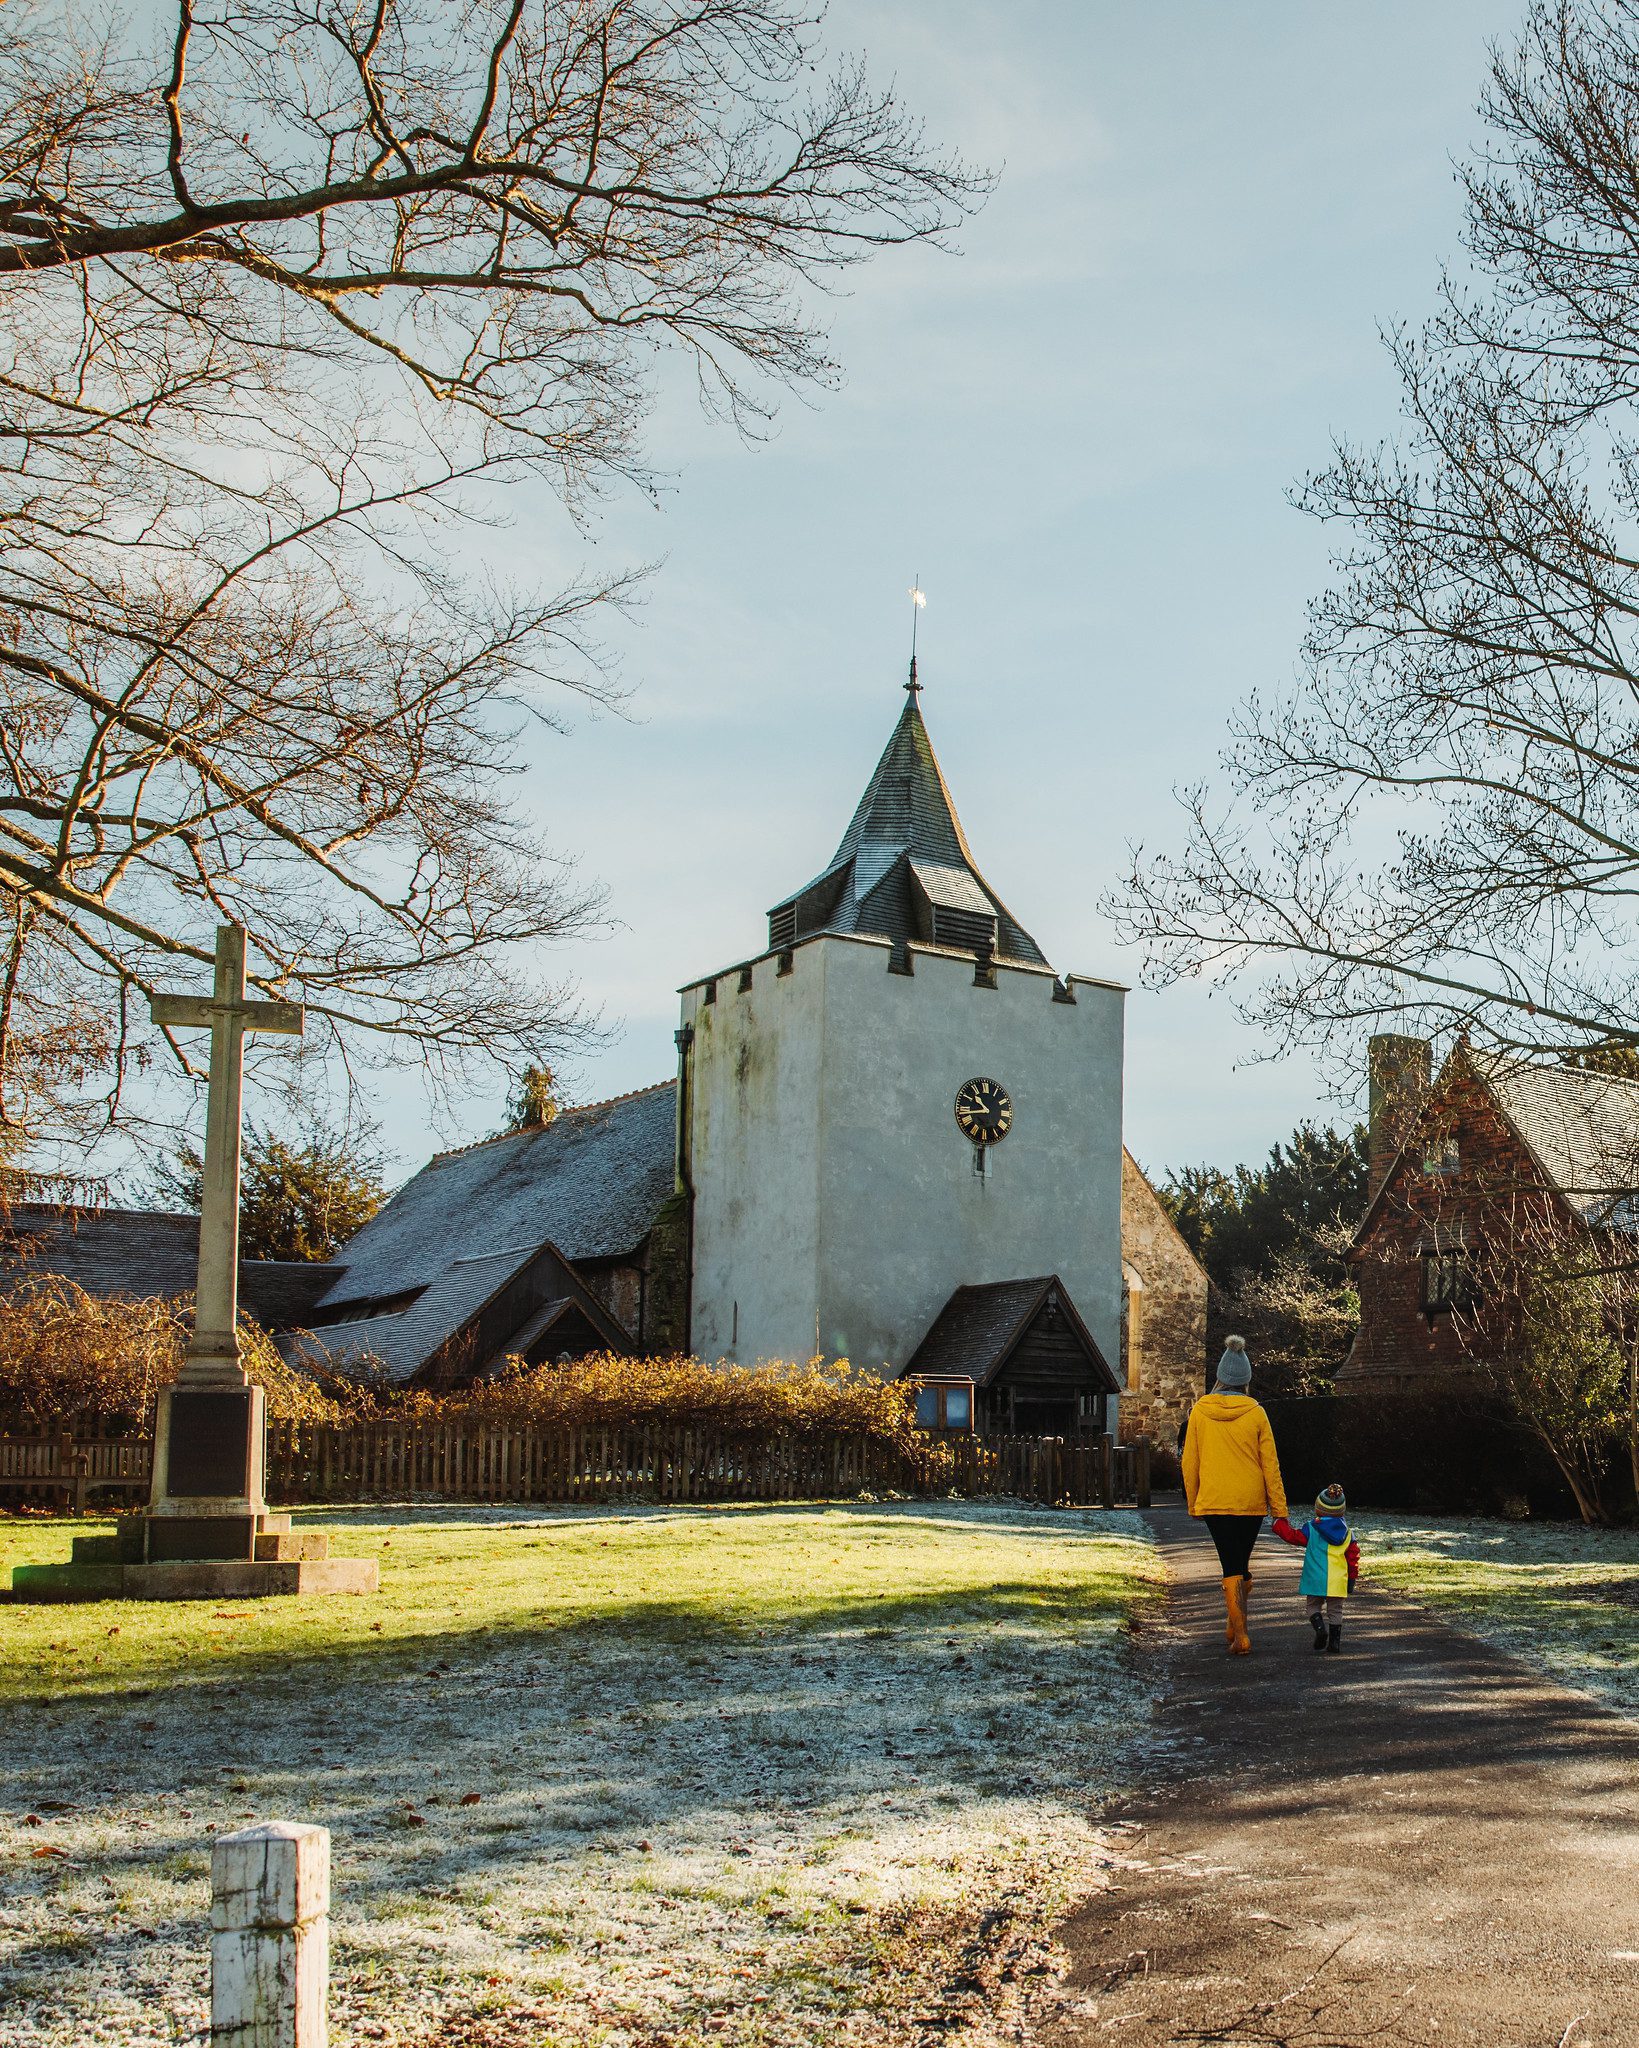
(1420,1841)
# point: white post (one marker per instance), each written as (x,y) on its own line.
(270,1936)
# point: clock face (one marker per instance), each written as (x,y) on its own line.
(984,1111)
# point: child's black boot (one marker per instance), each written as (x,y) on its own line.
(1318,1624)
(1334,1639)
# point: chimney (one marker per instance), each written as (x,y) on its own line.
(1399,1071)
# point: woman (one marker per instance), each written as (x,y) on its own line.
(1232,1479)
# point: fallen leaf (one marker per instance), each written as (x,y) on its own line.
(31,1820)
(471,1798)
(49,1849)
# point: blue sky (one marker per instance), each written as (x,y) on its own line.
(1079,432)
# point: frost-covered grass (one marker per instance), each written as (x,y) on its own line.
(1561,1595)
(619,1776)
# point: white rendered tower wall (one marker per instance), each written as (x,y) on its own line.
(836,1205)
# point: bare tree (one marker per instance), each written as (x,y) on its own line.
(279,295)
(1443,824)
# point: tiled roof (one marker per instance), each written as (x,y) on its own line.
(1582,1126)
(977,1328)
(135,1254)
(590,1183)
(905,838)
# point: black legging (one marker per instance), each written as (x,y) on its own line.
(1234,1536)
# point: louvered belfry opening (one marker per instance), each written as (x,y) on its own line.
(904,871)
(964,930)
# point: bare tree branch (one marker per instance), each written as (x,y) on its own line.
(1442,826)
(283,298)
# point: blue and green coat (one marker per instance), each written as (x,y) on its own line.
(1331,1557)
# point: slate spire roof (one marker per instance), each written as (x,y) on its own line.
(904,870)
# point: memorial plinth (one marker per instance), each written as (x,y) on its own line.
(206,1533)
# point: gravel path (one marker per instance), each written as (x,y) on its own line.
(1422,1841)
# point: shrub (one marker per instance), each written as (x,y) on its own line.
(817,1398)
(67,1356)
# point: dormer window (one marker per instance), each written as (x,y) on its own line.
(1442,1155)
(782,928)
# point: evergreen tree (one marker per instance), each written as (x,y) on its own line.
(299,1197)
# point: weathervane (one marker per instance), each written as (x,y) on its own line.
(918,600)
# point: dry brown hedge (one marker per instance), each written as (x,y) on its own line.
(66,1356)
(816,1398)
(71,1357)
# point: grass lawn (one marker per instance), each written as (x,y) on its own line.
(1563,1596)
(634,1776)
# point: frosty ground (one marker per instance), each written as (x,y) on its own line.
(1561,1596)
(621,1776)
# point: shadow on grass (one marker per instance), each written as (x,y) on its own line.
(703,1621)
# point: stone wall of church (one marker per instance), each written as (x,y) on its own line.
(1163,1337)
(836,1203)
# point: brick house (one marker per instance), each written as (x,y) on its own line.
(1466,1171)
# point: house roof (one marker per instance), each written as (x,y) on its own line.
(1583,1127)
(136,1254)
(905,836)
(979,1328)
(1580,1126)
(589,1184)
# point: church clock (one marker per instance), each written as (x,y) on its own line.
(983,1111)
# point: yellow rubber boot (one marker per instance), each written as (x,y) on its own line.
(1232,1612)
(1239,1641)
(1243,1642)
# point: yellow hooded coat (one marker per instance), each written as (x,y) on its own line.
(1230,1466)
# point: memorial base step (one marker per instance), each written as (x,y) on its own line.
(195,1579)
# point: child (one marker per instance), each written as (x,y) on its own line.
(1331,1564)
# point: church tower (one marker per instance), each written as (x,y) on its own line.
(900,1130)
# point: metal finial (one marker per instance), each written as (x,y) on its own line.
(918,600)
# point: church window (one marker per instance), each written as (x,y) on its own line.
(782,928)
(745,981)
(788,960)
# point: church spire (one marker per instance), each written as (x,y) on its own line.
(904,870)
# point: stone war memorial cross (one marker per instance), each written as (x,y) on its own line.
(207,1532)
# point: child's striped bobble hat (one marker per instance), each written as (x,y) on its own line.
(1330,1500)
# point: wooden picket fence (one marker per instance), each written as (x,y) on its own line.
(310,1461)
(68,1469)
(359,1461)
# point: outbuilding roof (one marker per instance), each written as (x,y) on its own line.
(137,1254)
(979,1328)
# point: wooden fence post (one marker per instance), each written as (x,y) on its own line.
(1107,1475)
(270,1936)
(1141,1472)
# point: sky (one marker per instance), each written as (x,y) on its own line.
(1078,434)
